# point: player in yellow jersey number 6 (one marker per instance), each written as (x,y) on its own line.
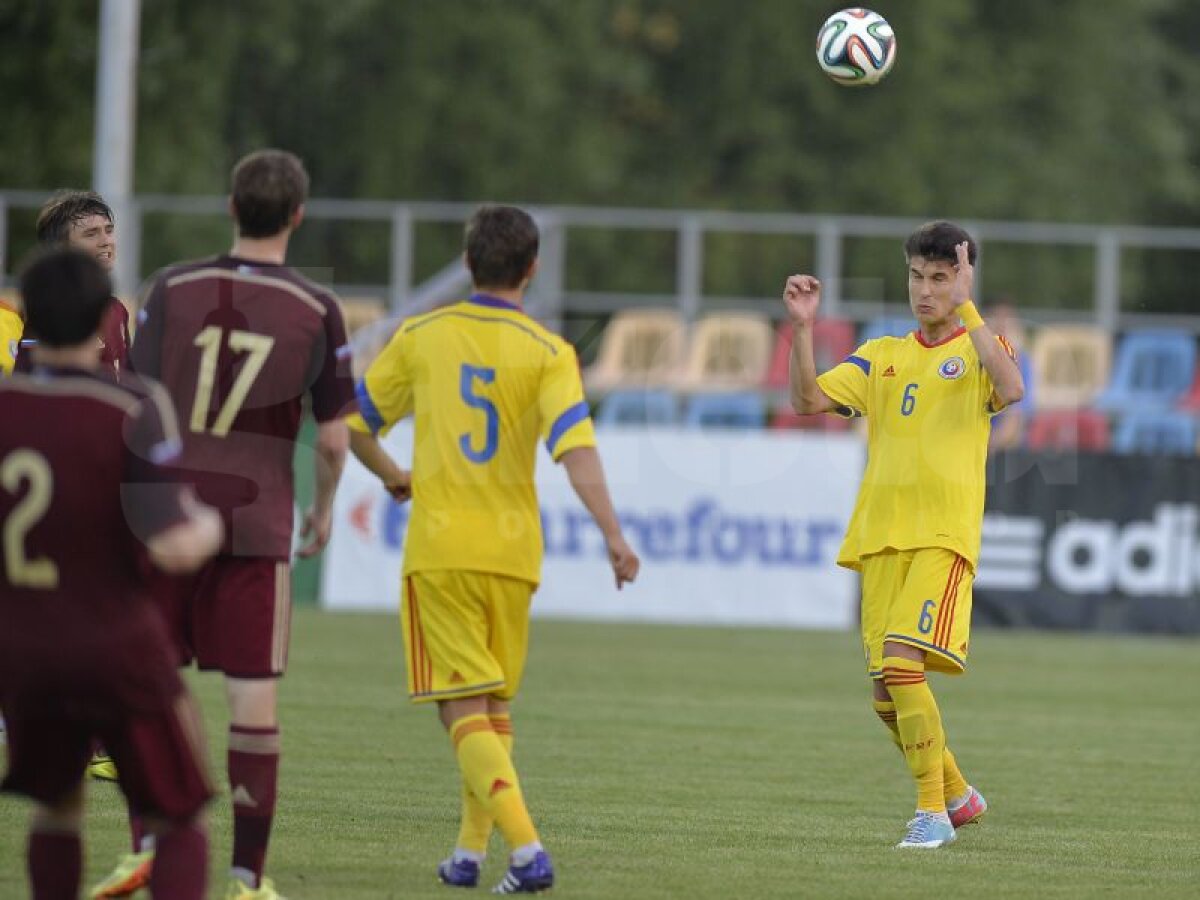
(483,383)
(914,534)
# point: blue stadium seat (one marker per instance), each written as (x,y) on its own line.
(1155,432)
(1152,371)
(743,409)
(887,326)
(638,407)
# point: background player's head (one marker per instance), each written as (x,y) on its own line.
(1002,317)
(269,188)
(932,266)
(66,292)
(501,247)
(83,220)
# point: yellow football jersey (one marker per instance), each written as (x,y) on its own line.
(11,329)
(483,383)
(928,410)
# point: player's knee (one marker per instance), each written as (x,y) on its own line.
(904,651)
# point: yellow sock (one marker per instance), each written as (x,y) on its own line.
(488,773)
(954,785)
(920,726)
(886,710)
(476,828)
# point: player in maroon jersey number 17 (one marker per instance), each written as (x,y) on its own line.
(239,340)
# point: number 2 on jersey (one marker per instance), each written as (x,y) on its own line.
(257,346)
(32,469)
(909,401)
(466,388)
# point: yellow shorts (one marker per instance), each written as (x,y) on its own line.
(465,634)
(917,597)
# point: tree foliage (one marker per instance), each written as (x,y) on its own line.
(1024,110)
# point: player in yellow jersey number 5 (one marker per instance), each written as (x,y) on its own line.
(914,534)
(483,383)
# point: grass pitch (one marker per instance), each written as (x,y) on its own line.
(692,763)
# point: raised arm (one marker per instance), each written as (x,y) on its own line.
(801,297)
(1007,384)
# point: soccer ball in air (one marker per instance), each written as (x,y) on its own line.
(856,46)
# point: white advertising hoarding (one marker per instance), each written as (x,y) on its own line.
(733,528)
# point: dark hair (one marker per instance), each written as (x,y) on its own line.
(501,244)
(66,293)
(55,218)
(936,241)
(268,187)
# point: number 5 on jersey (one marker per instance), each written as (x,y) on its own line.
(468,375)
(257,346)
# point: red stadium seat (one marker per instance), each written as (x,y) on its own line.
(1191,400)
(1068,429)
(833,341)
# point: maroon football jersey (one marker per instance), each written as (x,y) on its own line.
(238,345)
(114,342)
(81,488)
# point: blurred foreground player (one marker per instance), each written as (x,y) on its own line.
(915,532)
(483,382)
(83,652)
(239,341)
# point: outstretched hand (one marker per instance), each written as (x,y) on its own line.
(802,296)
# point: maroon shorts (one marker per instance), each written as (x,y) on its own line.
(158,747)
(233,616)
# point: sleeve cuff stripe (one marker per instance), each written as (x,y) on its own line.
(565,423)
(367,408)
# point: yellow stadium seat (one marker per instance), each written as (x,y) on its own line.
(728,351)
(1071,365)
(641,348)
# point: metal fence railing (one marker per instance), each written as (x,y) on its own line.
(551,298)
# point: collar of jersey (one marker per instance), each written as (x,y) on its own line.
(493,302)
(921,338)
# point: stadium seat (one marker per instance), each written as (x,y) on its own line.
(887,326)
(1071,365)
(629,406)
(360,311)
(741,409)
(833,341)
(1191,400)
(727,351)
(1150,431)
(641,348)
(1067,429)
(1153,371)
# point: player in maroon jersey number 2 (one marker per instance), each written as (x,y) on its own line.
(239,340)
(84,654)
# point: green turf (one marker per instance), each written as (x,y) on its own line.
(674,762)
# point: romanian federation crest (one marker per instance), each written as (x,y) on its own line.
(952,368)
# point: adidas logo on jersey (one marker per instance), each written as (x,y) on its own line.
(889,372)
